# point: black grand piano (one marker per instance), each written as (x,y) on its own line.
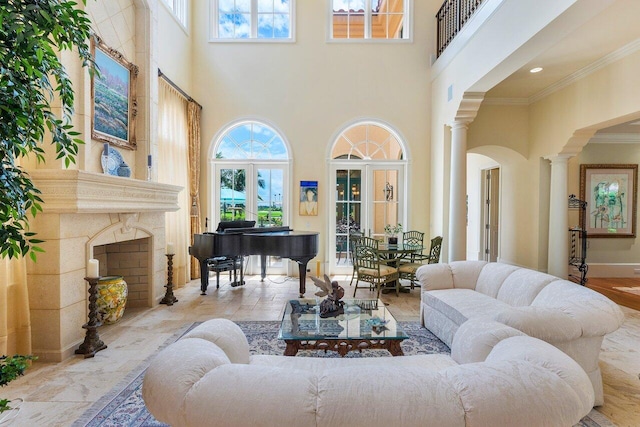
(235,239)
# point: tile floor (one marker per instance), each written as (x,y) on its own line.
(56,394)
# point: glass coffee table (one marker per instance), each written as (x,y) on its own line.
(365,324)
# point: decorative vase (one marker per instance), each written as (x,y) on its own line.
(112,297)
(393,240)
(124,170)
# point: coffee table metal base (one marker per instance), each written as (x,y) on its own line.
(343,346)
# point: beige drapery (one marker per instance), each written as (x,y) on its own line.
(194,177)
(173,143)
(15,322)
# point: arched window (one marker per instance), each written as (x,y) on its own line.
(368,169)
(250,179)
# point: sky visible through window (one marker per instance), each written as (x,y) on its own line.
(273,18)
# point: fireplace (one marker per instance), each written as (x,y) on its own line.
(89,215)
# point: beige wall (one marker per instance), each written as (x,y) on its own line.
(174,49)
(311,89)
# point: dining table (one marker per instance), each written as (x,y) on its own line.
(392,255)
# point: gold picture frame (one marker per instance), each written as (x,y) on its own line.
(114,105)
(610,191)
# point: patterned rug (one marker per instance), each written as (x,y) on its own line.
(123,406)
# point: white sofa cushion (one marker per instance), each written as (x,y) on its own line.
(474,340)
(541,322)
(522,286)
(492,276)
(226,335)
(459,305)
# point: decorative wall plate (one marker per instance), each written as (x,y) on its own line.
(112,162)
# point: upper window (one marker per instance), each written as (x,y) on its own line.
(179,9)
(252,140)
(252,20)
(370,19)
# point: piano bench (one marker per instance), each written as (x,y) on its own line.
(219,264)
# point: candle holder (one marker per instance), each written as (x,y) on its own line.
(92,342)
(169,298)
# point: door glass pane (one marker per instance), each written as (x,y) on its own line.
(233,194)
(270,190)
(385,200)
(348,211)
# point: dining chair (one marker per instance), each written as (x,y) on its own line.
(407,270)
(371,268)
(353,239)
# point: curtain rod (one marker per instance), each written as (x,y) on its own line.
(176,87)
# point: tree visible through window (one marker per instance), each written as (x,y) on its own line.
(252,19)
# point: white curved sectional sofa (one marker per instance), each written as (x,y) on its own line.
(495,376)
(573,318)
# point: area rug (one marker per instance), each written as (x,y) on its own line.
(123,405)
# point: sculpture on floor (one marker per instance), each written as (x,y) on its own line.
(331,306)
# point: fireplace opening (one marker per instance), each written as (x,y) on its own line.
(131,260)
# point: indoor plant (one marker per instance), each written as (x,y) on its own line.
(32,75)
(392,232)
(11,367)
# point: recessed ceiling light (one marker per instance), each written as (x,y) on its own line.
(535,70)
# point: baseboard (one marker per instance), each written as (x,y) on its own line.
(611,270)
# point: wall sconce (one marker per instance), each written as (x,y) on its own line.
(388,192)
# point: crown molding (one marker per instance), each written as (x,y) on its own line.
(606,60)
(506,101)
(615,138)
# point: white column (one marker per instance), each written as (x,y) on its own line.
(558,253)
(458,193)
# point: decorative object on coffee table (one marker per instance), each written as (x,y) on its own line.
(331,306)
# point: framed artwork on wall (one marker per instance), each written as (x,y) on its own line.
(113,97)
(610,192)
(308,198)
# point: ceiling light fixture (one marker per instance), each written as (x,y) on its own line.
(535,70)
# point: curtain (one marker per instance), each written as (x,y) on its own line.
(173,144)
(15,323)
(194,177)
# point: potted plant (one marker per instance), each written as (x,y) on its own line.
(11,367)
(392,232)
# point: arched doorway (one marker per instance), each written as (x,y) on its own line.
(368,177)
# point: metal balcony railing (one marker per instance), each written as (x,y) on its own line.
(452,16)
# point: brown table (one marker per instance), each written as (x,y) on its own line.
(302,328)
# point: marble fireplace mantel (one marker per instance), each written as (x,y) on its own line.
(75,191)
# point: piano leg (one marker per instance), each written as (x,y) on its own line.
(302,272)
(263,267)
(204,277)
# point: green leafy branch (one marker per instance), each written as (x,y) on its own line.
(32,33)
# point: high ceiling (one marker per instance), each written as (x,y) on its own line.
(614,28)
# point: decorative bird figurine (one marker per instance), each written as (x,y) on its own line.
(332,306)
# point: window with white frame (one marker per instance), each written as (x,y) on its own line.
(179,9)
(252,20)
(370,19)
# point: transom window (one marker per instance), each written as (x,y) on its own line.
(367,142)
(252,20)
(252,140)
(370,19)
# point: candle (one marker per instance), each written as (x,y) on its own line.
(93,268)
(149,160)
(170,250)
(105,151)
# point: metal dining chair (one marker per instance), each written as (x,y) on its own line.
(407,270)
(370,268)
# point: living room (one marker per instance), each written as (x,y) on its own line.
(312,89)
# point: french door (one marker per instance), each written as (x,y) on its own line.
(366,198)
(253,192)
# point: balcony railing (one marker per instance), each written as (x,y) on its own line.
(451,18)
